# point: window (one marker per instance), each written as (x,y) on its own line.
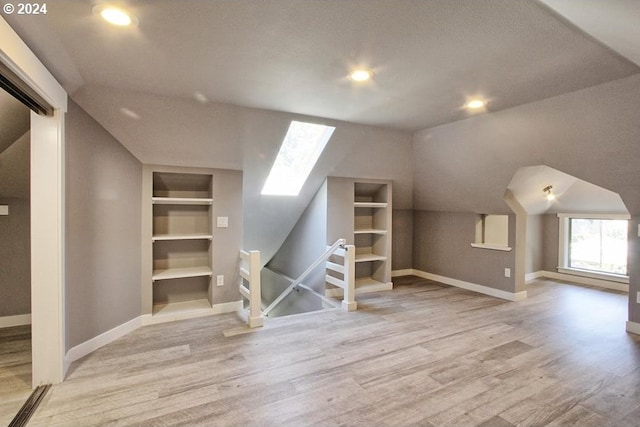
(299,152)
(594,246)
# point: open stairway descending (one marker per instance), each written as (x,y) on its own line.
(302,299)
(272,293)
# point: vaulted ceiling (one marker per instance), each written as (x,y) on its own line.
(428,56)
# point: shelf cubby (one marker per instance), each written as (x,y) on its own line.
(372,229)
(181,237)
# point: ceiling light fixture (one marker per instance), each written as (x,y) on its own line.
(550,196)
(115,16)
(475,104)
(361,75)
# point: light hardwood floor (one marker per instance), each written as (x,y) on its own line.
(15,370)
(423,354)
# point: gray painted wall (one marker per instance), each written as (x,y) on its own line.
(14,119)
(103,187)
(591,134)
(633,265)
(402,240)
(15,164)
(15,258)
(550,236)
(306,242)
(227,242)
(442,245)
(15,251)
(535,243)
(230,137)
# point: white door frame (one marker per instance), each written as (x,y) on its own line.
(47,210)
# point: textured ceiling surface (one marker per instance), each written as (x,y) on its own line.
(572,194)
(429,56)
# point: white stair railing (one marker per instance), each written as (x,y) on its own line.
(349,277)
(348,271)
(250,271)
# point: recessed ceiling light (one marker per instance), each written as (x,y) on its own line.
(116,16)
(474,104)
(200,97)
(361,75)
(129,113)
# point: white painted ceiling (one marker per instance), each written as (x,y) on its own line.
(616,23)
(573,195)
(428,56)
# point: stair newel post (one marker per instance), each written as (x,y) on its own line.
(349,301)
(255,309)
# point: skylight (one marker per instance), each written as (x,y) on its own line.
(299,152)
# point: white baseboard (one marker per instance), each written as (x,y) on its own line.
(616,286)
(227,307)
(533,276)
(405,272)
(222,308)
(111,335)
(101,340)
(482,289)
(17,320)
(633,327)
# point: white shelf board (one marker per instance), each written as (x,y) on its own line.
(194,236)
(369,231)
(370,205)
(183,307)
(181,201)
(179,273)
(370,257)
(368,284)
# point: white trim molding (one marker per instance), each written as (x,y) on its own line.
(17,320)
(481,289)
(529,277)
(491,247)
(405,272)
(111,335)
(101,340)
(594,275)
(563,249)
(594,216)
(590,281)
(47,210)
(222,308)
(633,327)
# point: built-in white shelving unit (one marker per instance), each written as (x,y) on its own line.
(181,236)
(372,235)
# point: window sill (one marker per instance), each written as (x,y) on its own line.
(491,247)
(602,276)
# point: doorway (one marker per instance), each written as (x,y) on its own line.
(15,257)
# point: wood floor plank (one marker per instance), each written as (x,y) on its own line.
(423,354)
(15,370)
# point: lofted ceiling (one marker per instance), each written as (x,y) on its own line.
(428,56)
(572,195)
